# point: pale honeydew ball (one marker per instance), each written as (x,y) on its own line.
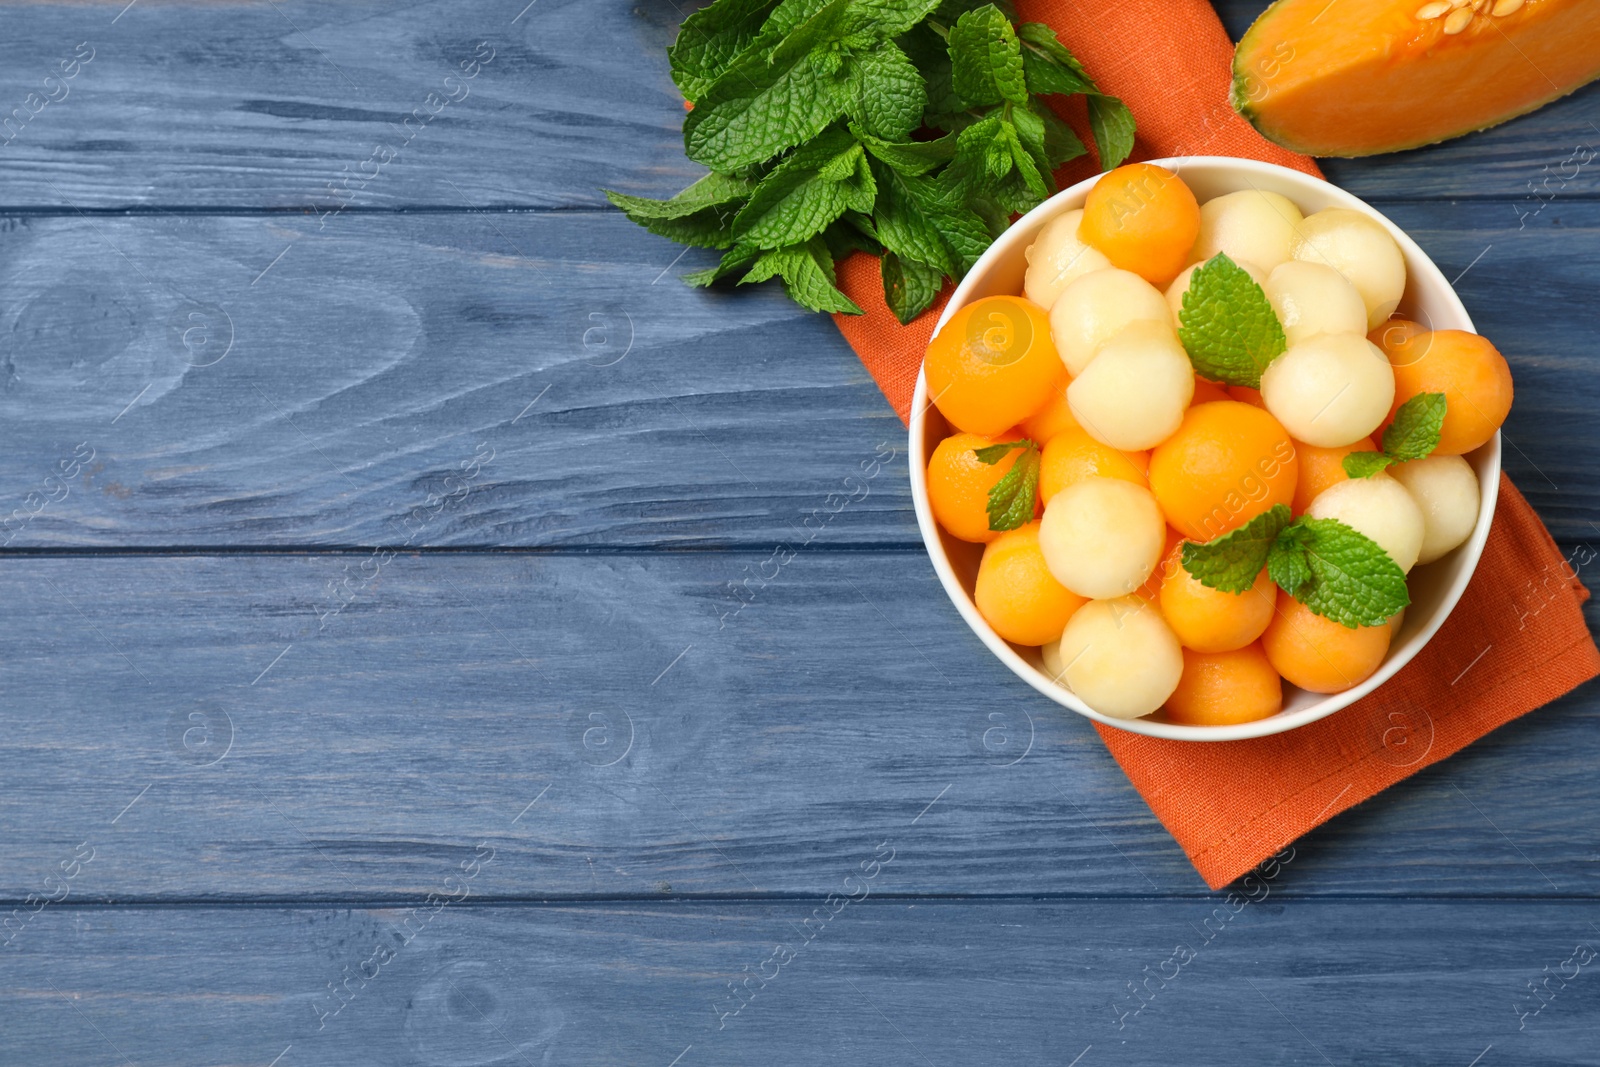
(1357,246)
(1098,306)
(1180,284)
(1248,225)
(1379,507)
(1331,390)
(1120,657)
(1057,258)
(1054,665)
(1102,537)
(1446,490)
(1313,298)
(1134,394)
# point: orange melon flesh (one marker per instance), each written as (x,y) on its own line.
(1359,77)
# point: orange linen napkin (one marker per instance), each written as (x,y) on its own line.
(1516,640)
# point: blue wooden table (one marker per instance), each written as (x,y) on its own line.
(397,667)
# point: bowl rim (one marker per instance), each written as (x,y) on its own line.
(1472,549)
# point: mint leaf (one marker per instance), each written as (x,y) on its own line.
(911,158)
(992,454)
(1031,134)
(1287,564)
(1047,64)
(701,215)
(919,219)
(1111,124)
(1037,182)
(706,228)
(1414,433)
(986,59)
(1233,561)
(891,18)
(909,287)
(1060,142)
(710,191)
(1353,580)
(1012,497)
(886,93)
(807,273)
(734,259)
(1227,324)
(709,40)
(763,104)
(1364,464)
(807,191)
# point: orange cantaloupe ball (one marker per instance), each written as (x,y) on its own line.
(1318,654)
(1053,419)
(1246,395)
(1144,218)
(1206,392)
(993,364)
(1471,373)
(959,484)
(1211,620)
(1227,463)
(1016,593)
(1321,468)
(1225,688)
(1074,455)
(1151,589)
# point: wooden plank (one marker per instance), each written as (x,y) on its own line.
(372,359)
(290,98)
(881,981)
(225,728)
(287,104)
(263,381)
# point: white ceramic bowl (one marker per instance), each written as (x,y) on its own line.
(1435,587)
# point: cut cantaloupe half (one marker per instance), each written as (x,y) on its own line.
(1358,77)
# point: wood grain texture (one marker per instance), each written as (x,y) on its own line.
(930,983)
(373,357)
(268,105)
(617,726)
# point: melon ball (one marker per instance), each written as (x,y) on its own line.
(1134,394)
(1357,246)
(1446,490)
(1330,390)
(1180,284)
(1312,298)
(1379,507)
(1248,225)
(1098,306)
(1057,258)
(1102,537)
(1120,657)
(1054,665)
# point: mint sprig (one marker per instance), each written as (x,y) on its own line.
(1413,434)
(1233,561)
(908,129)
(1331,568)
(1227,324)
(1011,498)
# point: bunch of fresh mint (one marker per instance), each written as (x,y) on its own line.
(818,121)
(1331,568)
